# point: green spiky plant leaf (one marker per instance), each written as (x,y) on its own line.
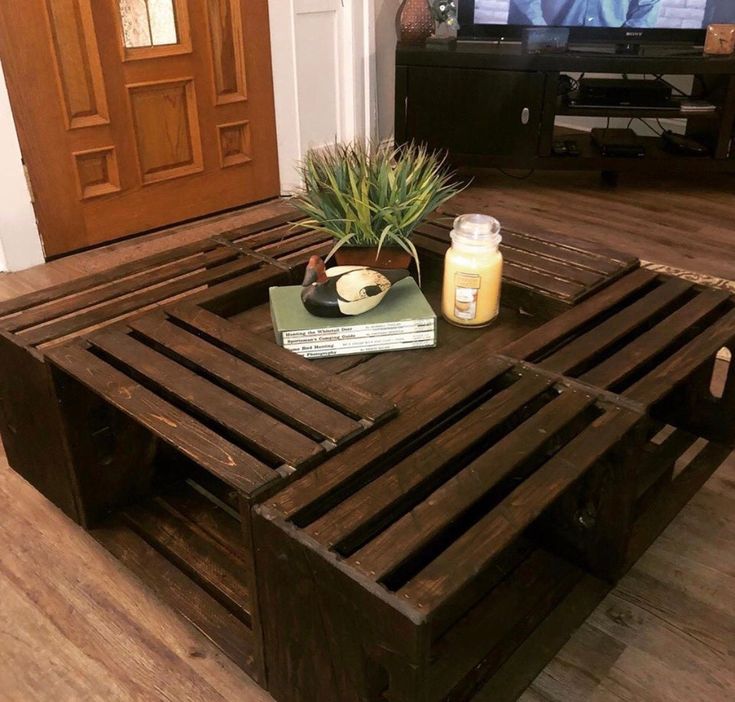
(372,195)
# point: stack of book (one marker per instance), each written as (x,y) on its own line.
(403,320)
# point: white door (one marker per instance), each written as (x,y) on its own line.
(323,74)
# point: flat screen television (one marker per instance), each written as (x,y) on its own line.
(622,21)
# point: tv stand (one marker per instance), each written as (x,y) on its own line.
(628,49)
(639,50)
(492,105)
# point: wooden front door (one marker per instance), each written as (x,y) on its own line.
(135,114)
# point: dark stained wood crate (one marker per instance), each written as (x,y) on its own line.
(542,274)
(673,466)
(653,339)
(175,423)
(248,260)
(414,571)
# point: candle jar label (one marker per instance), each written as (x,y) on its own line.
(466,286)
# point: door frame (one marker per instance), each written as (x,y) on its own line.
(20,241)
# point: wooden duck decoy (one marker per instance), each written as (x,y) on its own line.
(345,291)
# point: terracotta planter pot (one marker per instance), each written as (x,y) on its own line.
(390,257)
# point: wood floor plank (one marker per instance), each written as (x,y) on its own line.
(93,632)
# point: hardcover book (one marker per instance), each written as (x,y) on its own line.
(404,320)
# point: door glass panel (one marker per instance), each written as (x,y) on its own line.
(148,23)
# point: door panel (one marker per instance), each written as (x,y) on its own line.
(78,68)
(166,126)
(135,114)
(225,32)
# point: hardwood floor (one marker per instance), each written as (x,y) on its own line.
(680,223)
(75,625)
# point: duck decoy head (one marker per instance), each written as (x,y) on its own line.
(316,272)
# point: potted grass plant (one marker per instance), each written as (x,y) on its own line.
(370,198)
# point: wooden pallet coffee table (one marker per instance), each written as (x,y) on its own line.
(176,424)
(219,271)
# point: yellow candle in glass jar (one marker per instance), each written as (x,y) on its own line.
(473,269)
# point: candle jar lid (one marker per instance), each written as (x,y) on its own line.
(476,230)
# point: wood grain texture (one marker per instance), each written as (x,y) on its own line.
(159,108)
(543,275)
(675,221)
(683,587)
(92,632)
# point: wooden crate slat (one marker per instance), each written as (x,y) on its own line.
(455,567)
(187,498)
(300,373)
(293,245)
(669,501)
(573,264)
(301,257)
(248,423)
(217,455)
(342,468)
(280,223)
(548,266)
(202,558)
(545,283)
(587,346)
(179,591)
(423,523)
(137,266)
(116,289)
(537,342)
(550,245)
(242,286)
(659,459)
(615,369)
(584,254)
(490,631)
(428,243)
(282,400)
(656,384)
(116,308)
(375,499)
(273,253)
(260,239)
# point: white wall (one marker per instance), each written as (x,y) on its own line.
(385,45)
(20,244)
(323,76)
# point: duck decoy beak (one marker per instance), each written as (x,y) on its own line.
(316,272)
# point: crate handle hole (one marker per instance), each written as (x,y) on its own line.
(720,371)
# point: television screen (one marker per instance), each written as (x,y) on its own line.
(609,14)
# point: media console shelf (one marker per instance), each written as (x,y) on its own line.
(492,105)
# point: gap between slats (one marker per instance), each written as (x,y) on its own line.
(228,415)
(245,380)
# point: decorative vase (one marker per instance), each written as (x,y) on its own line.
(389,257)
(415,21)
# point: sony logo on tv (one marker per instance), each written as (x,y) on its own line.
(634,34)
